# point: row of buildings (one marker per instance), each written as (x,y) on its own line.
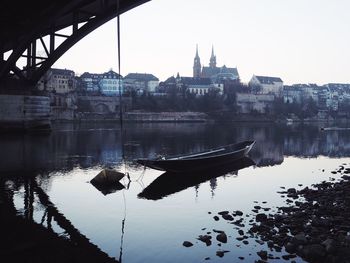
(258,95)
(110,83)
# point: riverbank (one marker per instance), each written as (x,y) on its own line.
(313,226)
(176,117)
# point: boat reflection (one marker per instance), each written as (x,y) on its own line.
(169,183)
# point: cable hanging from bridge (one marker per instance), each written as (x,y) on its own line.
(121,127)
(119,79)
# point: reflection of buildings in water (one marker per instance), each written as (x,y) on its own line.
(59,150)
(267,150)
(92,144)
(167,138)
(311,142)
(273,142)
(213,184)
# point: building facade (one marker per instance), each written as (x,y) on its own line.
(56,80)
(141,82)
(89,82)
(197,86)
(108,83)
(248,103)
(111,84)
(267,85)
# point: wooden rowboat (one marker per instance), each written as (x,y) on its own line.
(201,160)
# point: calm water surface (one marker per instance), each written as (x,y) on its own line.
(136,229)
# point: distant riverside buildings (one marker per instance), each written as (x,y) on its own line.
(248,102)
(267,85)
(58,81)
(215,73)
(97,92)
(329,96)
(198,86)
(60,85)
(108,83)
(205,79)
(141,82)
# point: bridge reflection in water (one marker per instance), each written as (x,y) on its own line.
(24,240)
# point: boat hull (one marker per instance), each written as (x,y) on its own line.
(200,161)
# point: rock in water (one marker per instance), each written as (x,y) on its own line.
(107,181)
(187,244)
(107,177)
(206,239)
(221,238)
(221,253)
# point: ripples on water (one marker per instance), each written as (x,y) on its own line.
(155,224)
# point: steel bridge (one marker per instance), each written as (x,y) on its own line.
(28,27)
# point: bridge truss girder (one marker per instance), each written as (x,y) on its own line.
(81,16)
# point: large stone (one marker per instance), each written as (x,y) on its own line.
(206,239)
(222,237)
(262,254)
(314,252)
(261,217)
(290,248)
(107,177)
(239,213)
(107,181)
(330,245)
(187,244)
(299,239)
(221,253)
(227,217)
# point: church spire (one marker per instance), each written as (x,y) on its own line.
(212,62)
(197,65)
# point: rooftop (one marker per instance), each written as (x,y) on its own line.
(141,76)
(268,80)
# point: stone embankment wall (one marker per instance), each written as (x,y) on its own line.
(165,117)
(62,114)
(24,112)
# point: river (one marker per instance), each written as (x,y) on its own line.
(152,229)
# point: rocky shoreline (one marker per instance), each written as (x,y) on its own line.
(314,226)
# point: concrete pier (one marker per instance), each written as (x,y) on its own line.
(24,112)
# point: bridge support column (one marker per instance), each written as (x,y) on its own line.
(24,112)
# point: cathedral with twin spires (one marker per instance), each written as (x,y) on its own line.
(212,71)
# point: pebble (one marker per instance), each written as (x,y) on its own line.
(222,237)
(221,253)
(187,244)
(206,239)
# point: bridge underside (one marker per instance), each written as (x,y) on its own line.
(31,33)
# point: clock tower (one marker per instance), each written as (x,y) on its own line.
(197,65)
(212,62)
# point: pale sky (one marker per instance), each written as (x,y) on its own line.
(301,41)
